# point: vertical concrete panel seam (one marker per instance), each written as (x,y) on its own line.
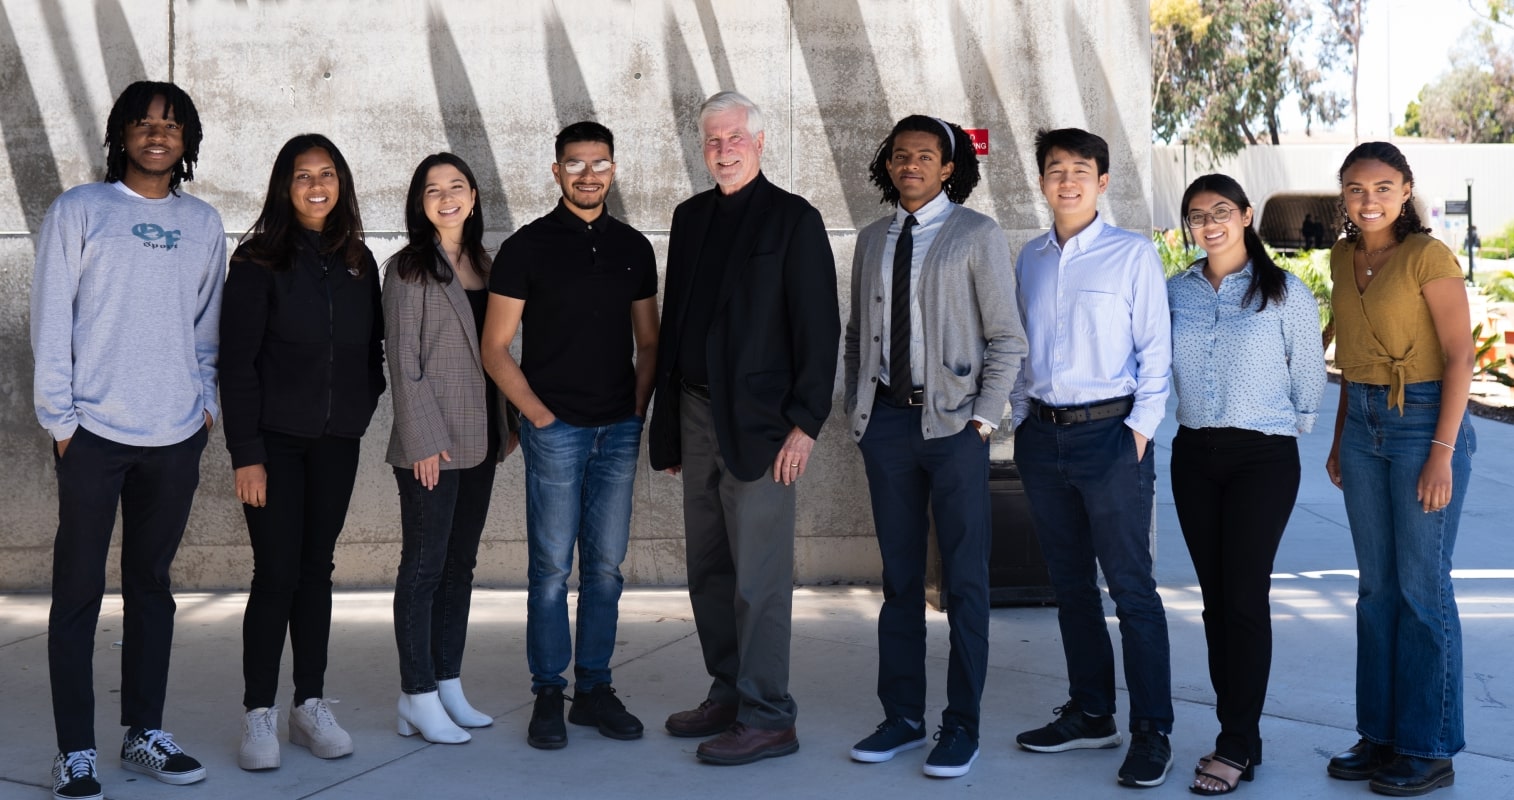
(172,52)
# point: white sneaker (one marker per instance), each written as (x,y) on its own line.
(74,776)
(260,739)
(312,725)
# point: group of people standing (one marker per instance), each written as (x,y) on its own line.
(135,318)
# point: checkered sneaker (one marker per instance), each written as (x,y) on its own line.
(153,752)
(74,776)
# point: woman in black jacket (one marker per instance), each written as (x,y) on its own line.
(301,371)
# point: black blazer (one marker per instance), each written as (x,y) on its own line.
(773,341)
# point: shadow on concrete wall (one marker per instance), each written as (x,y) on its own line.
(123,62)
(27,146)
(1094,88)
(854,112)
(570,92)
(463,122)
(684,97)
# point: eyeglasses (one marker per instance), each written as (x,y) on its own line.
(1198,219)
(576,167)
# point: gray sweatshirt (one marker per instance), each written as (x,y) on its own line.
(125,306)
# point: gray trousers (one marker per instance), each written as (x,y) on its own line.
(739,539)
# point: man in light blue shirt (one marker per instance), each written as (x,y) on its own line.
(1086,404)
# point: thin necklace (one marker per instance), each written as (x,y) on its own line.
(1371,254)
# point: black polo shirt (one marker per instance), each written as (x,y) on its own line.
(578,280)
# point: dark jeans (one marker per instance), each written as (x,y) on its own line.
(293,541)
(1091,502)
(1234,490)
(739,542)
(905,473)
(154,487)
(440,529)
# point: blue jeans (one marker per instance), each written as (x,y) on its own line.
(1408,634)
(578,491)
(440,529)
(1090,500)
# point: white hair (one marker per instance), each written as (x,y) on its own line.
(725,101)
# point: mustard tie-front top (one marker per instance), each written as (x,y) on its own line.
(1385,335)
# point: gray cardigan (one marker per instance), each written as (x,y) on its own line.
(974,342)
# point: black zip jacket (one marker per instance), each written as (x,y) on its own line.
(301,350)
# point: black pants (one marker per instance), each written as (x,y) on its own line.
(1234,490)
(293,541)
(154,487)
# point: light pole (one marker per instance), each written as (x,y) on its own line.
(1470,257)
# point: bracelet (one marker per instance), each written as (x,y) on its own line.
(1450,447)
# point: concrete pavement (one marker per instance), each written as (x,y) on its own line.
(1310,710)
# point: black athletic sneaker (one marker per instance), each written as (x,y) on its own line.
(600,708)
(546,730)
(153,752)
(1071,730)
(893,736)
(74,776)
(954,753)
(1148,760)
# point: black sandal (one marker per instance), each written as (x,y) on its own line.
(1247,770)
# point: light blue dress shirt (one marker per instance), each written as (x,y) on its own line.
(1236,367)
(1095,314)
(928,222)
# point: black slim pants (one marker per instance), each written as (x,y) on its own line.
(293,542)
(1234,490)
(154,487)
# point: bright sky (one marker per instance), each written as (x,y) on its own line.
(1405,45)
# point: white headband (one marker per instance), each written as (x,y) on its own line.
(951,138)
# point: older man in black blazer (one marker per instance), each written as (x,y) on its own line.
(746,373)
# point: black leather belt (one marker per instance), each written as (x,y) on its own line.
(916,398)
(1073,415)
(699,390)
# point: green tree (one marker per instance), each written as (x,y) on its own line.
(1222,69)
(1411,126)
(1346,24)
(1474,102)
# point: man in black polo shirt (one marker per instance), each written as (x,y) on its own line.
(584,285)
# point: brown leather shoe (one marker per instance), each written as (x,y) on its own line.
(707,720)
(743,744)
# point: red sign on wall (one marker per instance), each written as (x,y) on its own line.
(980,139)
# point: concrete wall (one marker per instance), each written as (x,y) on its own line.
(494,82)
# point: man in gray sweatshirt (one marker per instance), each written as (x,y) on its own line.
(125,308)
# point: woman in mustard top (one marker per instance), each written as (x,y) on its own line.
(1402,457)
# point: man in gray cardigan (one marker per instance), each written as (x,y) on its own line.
(933,346)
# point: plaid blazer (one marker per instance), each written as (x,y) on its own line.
(436,376)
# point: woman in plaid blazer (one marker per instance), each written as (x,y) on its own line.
(449,433)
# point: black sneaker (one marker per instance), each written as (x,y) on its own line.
(547,731)
(954,753)
(599,707)
(893,736)
(153,752)
(1148,760)
(74,776)
(1071,730)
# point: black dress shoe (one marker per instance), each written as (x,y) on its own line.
(547,731)
(1412,776)
(1361,762)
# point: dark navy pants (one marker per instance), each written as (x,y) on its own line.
(906,473)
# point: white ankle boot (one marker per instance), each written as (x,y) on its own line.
(466,716)
(424,714)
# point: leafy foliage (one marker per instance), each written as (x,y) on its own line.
(1222,69)
(1474,101)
